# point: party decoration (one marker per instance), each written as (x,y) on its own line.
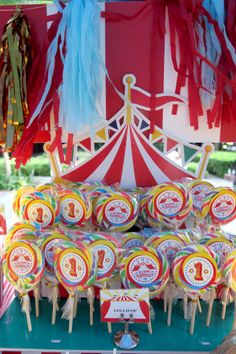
(169,243)
(219,206)
(23,266)
(76,208)
(49,243)
(41,209)
(144,267)
(195,271)
(17,230)
(229,276)
(18,194)
(75,268)
(15,57)
(168,204)
(198,190)
(115,211)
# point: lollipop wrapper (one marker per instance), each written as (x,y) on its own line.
(68,307)
(25,304)
(152,313)
(53,294)
(190,309)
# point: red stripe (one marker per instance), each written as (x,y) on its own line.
(142,173)
(114,172)
(165,166)
(86,169)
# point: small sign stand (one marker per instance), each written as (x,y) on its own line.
(126,339)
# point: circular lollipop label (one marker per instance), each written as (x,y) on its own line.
(169,202)
(21,261)
(223,206)
(106,260)
(117,211)
(39,213)
(72,209)
(73,267)
(199,272)
(143,270)
(198,193)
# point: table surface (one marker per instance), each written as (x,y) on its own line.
(14,335)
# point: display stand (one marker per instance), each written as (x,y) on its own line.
(85,338)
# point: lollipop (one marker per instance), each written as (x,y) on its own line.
(41,209)
(18,195)
(169,204)
(76,208)
(229,275)
(132,239)
(199,189)
(219,206)
(115,211)
(75,268)
(169,243)
(195,271)
(144,267)
(108,250)
(23,266)
(48,245)
(17,229)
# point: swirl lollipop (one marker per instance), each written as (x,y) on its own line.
(169,204)
(195,271)
(144,267)
(219,206)
(23,266)
(17,229)
(41,209)
(48,245)
(75,268)
(229,276)
(169,242)
(115,211)
(18,195)
(76,208)
(199,189)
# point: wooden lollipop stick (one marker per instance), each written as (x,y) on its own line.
(224,302)
(55,306)
(150,327)
(170,301)
(76,299)
(90,296)
(36,298)
(234,323)
(106,286)
(27,313)
(185,306)
(194,309)
(165,298)
(210,306)
(71,316)
(199,305)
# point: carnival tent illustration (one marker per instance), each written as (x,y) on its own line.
(130,155)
